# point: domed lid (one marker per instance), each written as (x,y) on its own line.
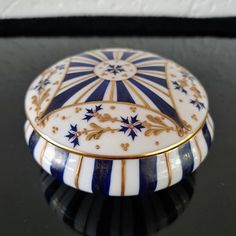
(116,103)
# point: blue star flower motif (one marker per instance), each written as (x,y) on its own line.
(179,87)
(197,104)
(91,112)
(73,135)
(187,75)
(60,67)
(41,84)
(115,69)
(131,126)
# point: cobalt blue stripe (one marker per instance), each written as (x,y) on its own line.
(99,92)
(158,101)
(126,55)
(90,57)
(102,176)
(146,59)
(154,79)
(153,68)
(34,138)
(58,164)
(76,75)
(123,94)
(206,135)
(186,157)
(109,54)
(75,64)
(62,98)
(147,174)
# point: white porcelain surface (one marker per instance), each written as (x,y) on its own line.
(127,177)
(161,101)
(118,121)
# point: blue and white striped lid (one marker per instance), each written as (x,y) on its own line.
(116,103)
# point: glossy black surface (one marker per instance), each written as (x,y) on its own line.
(209,208)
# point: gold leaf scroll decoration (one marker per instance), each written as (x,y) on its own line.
(155,126)
(97,131)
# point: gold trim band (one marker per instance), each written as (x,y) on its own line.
(77,172)
(168,169)
(123,175)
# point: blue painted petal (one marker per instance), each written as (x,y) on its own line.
(98,108)
(75,142)
(186,158)
(147,59)
(126,55)
(139,127)
(134,119)
(123,129)
(102,176)
(77,64)
(99,92)
(109,54)
(148,174)
(76,75)
(87,117)
(132,134)
(123,95)
(89,56)
(152,68)
(89,110)
(74,128)
(70,135)
(57,167)
(155,79)
(63,97)
(124,120)
(207,135)
(160,103)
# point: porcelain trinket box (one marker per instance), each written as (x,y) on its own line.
(118,121)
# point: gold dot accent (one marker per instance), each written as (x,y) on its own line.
(54,129)
(194,117)
(112,107)
(180,100)
(63,117)
(125,146)
(78,109)
(131,126)
(97,146)
(157,143)
(78,133)
(133,109)
(104,74)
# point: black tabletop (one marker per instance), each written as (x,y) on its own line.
(33,203)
